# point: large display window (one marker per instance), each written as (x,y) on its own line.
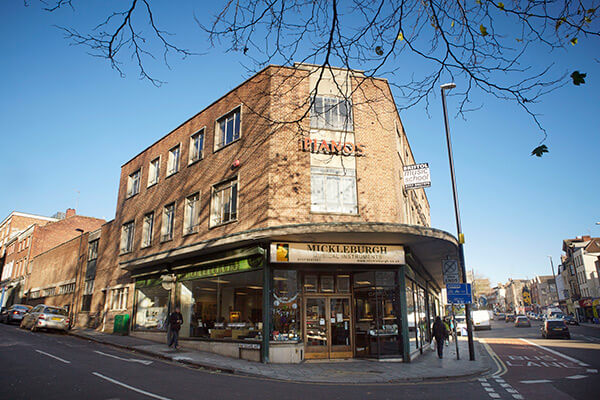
(286,301)
(152,307)
(412,313)
(226,307)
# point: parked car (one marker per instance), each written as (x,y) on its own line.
(14,313)
(510,318)
(555,328)
(481,319)
(46,317)
(522,321)
(570,320)
(501,317)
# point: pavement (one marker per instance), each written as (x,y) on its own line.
(425,367)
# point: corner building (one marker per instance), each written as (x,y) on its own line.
(277,220)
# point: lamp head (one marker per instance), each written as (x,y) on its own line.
(448,86)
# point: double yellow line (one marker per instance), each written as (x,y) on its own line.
(501,367)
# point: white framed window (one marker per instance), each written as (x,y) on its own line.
(48,292)
(36,294)
(228,129)
(119,299)
(153,171)
(173,162)
(147,229)
(333,113)
(333,190)
(191,215)
(224,202)
(133,183)
(127,237)
(168,222)
(196,146)
(88,287)
(68,288)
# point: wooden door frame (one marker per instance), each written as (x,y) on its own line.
(328,297)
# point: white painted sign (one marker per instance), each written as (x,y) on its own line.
(450,270)
(336,253)
(417,176)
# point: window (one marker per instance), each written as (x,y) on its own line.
(147,229)
(35,294)
(173,163)
(127,237)
(228,129)
(90,269)
(196,146)
(48,292)
(86,301)
(333,190)
(68,288)
(93,250)
(224,203)
(192,214)
(153,171)
(133,184)
(331,113)
(119,299)
(152,306)
(167,222)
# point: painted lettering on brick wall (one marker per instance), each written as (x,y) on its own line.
(332,147)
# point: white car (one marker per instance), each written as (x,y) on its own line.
(481,319)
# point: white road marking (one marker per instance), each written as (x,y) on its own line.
(482,379)
(518,396)
(177,358)
(593,371)
(485,384)
(566,357)
(576,376)
(145,362)
(130,387)
(512,390)
(505,385)
(538,381)
(499,380)
(56,358)
(494,395)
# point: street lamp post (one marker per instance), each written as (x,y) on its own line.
(461,253)
(73,302)
(555,284)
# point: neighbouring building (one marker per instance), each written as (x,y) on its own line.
(543,292)
(581,281)
(276,218)
(514,295)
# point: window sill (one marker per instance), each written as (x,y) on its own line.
(165,240)
(122,253)
(152,184)
(227,145)
(192,162)
(145,246)
(334,213)
(171,174)
(190,232)
(129,196)
(223,224)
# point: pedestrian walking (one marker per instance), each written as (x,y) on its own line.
(447,325)
(175,321)
(440,333)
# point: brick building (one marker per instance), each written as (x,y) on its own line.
(277,220)
(34,240)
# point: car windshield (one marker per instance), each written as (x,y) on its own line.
(21,308)
(522,318)
(56,311)
(555,324)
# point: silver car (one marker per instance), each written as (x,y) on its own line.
(14,313)
(46,317)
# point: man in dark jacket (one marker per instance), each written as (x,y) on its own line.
(175,321)
(440,333)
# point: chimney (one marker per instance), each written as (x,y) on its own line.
(70,212)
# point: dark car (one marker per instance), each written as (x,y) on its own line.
(14,313)
(510,318)
(522,321)
(555,328)
(570,320)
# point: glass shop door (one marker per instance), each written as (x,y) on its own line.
(328,327)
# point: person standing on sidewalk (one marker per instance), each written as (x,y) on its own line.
(175,321)
(440,333)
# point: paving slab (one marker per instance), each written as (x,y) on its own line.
(426,366)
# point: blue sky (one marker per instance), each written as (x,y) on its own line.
(68,122)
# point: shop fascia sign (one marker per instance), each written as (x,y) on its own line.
(417,176)
(336,253)
(242,265)
(332,147)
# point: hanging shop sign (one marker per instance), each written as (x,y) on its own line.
(334,253)
(332,147)
(417,176)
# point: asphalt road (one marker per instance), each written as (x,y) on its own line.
(56,366)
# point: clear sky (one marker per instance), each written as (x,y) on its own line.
(68,122)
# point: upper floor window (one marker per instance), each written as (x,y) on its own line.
(228,129)
(168,222)
(127,237)
(196,146)
(133,184)
(147,229)
(153,171)
(224,202)
(192,214)
(331,113)
(173,162)
(93,250)
(333,190)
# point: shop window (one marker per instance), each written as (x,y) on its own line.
(333,190)
(343,283)
(310,284)
(333,113)
(119,299)
(196,147)
(153,171)
(228,129)
(411,314)
(127,237)
(327,284)
(223,307)
(133,183)
(286,306)
(224,203)
(152,307)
